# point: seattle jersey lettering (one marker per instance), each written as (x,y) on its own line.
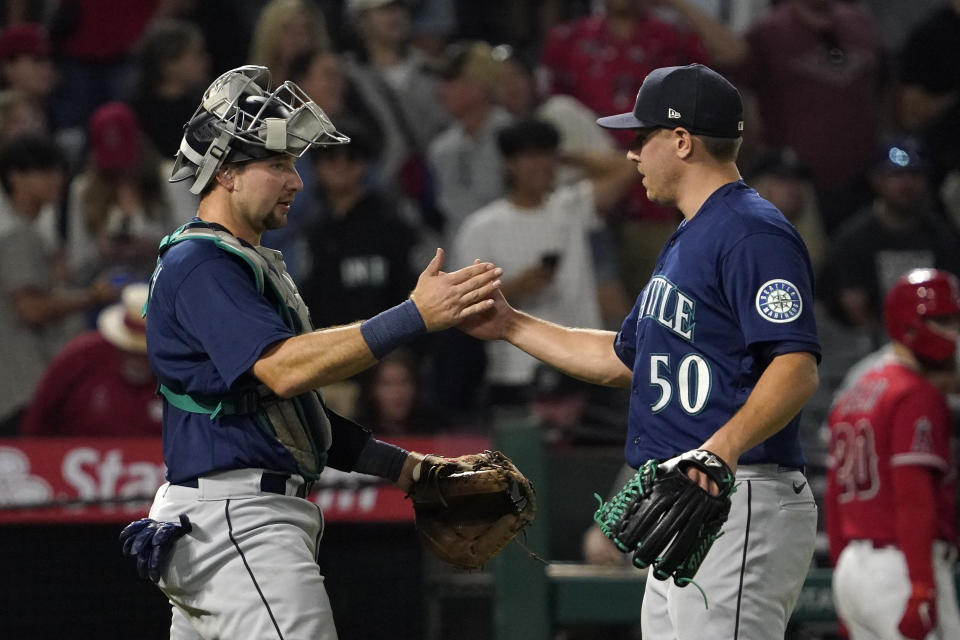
(666,304)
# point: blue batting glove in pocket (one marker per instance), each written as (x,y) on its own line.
(150,543)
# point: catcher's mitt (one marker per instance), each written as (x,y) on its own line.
(469,508)
(665,519)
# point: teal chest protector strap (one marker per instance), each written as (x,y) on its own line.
(299,423)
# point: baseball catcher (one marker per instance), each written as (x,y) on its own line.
(246,433)
(666,519)
(469,508)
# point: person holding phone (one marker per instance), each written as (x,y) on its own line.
(540,236)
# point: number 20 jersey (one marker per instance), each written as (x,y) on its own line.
(732,283)
(890,416)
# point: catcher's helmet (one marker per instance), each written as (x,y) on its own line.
(916,297)
(240,119)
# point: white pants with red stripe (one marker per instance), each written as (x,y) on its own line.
(871,588)
(754,572)
(248,569)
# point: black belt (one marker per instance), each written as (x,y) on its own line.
(269,483)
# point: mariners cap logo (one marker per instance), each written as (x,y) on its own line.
(779,301)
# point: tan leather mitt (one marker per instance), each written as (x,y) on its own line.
(469,508)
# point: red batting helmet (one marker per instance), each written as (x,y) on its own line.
(916,297)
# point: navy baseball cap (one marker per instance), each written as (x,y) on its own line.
(694,97)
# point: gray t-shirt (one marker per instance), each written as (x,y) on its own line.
(517,239)
(467,170)
(25,351)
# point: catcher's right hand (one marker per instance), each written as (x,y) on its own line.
(469,508)
(666,519)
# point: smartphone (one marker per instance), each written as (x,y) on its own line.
(549,260)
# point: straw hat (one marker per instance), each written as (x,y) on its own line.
(121,324)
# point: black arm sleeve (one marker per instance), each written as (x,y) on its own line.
(349,439)
(355,449)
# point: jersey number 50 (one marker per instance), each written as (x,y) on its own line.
(693,381)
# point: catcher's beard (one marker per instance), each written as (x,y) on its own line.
(274,221)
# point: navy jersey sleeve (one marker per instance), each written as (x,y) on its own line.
(625,343)
(219,305)
(767,280)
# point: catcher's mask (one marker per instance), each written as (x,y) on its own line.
(240,119)
(916,298)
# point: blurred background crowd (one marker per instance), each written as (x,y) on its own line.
(473,129)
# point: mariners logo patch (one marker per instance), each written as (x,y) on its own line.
(779,301)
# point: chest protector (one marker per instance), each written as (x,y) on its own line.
(300,423)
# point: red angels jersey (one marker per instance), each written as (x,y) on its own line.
(891,416)
(93,389)
(586,59)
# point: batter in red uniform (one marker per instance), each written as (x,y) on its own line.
(891,486)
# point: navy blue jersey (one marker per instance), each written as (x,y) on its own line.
(732,287)
(206,326)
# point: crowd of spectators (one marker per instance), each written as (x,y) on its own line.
(473,128)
